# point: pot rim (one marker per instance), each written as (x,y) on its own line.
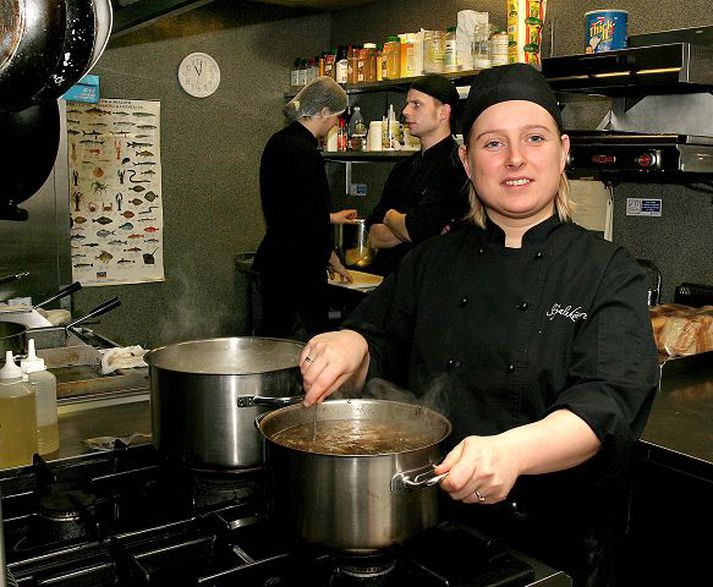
(263,419)
(152,358)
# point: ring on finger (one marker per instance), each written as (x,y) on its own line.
(309,359)
(480,496)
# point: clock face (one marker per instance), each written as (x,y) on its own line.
(199,75)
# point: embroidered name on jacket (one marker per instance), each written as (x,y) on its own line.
(573,314)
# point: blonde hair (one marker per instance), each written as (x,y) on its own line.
(564,206)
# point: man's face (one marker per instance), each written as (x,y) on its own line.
(423,113)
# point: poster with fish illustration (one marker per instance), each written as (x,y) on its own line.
(115,195)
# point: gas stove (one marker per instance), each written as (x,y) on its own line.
(125,517)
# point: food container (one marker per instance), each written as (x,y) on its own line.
(605,30)
(354,501)
(525,19)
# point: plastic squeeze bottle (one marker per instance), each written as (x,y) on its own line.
(18,419)
(44,385)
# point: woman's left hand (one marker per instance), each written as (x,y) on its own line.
(335,267)
(343,217)
(480,469)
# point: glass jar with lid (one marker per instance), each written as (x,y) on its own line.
(434,48)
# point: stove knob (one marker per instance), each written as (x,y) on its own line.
(648,159)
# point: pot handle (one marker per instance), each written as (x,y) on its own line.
(408,481)
(248,401)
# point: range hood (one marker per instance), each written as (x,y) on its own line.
(668,62)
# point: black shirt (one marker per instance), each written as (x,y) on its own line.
(497,337)
(293,255)
(430,187)
(296,204)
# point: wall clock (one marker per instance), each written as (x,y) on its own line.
(199,75)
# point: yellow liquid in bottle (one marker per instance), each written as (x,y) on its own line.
(47,439)
(18,430)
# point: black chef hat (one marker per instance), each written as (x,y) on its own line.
(438,87)
(516,81)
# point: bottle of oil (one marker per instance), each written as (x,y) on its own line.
(44,384)
(18,420)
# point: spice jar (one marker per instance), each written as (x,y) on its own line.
(434,49)
(392,52)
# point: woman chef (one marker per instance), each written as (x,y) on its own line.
(297,250)
(536,330)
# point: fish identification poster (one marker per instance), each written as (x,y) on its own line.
(115,197)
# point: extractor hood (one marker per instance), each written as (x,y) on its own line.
(669,62)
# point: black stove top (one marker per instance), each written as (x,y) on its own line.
(127,518)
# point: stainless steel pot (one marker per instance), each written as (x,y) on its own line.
(355,503)
(206,394)
(352,242)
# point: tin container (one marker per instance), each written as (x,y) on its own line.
(605,30)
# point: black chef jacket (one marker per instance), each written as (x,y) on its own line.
(293,255)
(431,188)
(497,337)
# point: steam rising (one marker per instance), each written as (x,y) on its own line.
(436,398)
(193,313)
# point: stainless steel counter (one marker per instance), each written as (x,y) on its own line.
(117,416)
(679,433)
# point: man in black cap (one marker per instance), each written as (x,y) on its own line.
(426,194)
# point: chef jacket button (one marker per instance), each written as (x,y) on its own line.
(463,302)
(539,255)
(510,368)
(481,251)
(523,305)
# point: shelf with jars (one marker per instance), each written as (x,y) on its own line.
(402,84)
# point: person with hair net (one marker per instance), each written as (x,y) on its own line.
(537,332)
(297,251)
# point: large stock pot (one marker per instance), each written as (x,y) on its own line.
(354,502)
(206,394)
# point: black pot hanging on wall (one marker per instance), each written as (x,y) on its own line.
(29,141)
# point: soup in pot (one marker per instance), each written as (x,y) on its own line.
(354,437)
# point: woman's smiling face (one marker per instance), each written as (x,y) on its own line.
(515,157)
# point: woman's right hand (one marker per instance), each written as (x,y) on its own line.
(332,359)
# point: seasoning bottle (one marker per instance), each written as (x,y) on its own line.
(450,59)
(392,50)
(498,47)
(295,73)
(330,59)
(370,62)
(380,63)
(44,384)
(18,419)
(434,48)
(302,73)
(342,66)
(357,131)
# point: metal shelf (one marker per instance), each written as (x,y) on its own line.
(399,85)
(366,156)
